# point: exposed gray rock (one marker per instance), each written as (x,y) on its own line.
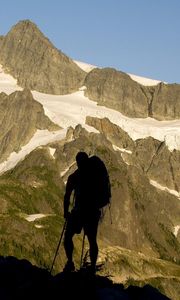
(157,162)
(32,59)
(113,133)
(116,90)
(150,155)
(20,117)
(166,102)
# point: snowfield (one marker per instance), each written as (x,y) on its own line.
(72,109)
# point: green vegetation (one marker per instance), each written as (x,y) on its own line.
(31,188)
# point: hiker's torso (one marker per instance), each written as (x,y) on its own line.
(84,199)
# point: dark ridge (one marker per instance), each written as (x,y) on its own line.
(19,279)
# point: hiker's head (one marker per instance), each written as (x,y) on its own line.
(82,159)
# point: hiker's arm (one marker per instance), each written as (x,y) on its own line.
(67,195)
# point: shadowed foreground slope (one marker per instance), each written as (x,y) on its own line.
(19,279)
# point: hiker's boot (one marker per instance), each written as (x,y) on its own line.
(92,269)
(69,267)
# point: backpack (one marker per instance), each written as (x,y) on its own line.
(100,183)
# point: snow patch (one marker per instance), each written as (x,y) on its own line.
(38,226)
(83,88)
(67,169)
(7,83)
(126,162)
(143,80)
(52,151)
(41,137)
(116,148)
(176,230)
(33,217)
(164,188)
(84,66)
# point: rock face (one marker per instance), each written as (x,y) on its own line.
(166,102)
(142,216)
(151,156)
(154,158)
(31,58)
(114,133)
(117,90)
(20,117)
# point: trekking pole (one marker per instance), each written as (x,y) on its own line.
(64,227)
(82,252)
(110,213)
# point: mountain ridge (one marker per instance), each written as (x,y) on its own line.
(29,282)
(36,64)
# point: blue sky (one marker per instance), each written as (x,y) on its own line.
(141,37)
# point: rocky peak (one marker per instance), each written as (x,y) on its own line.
(23,25)
(27,31)
(32,59)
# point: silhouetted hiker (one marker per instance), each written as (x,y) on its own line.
(86,211)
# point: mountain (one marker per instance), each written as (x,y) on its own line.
(49,70)
(50,109)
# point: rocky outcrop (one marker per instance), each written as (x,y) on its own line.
(155,159)
(20,117)
(166,102)
(32,59)
(117,90)
(150,155)
(113,133)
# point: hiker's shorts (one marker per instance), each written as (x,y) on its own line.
(75,222)
(78,221)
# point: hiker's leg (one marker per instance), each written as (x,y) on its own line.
(68,240)
(93,249)
(91,232)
